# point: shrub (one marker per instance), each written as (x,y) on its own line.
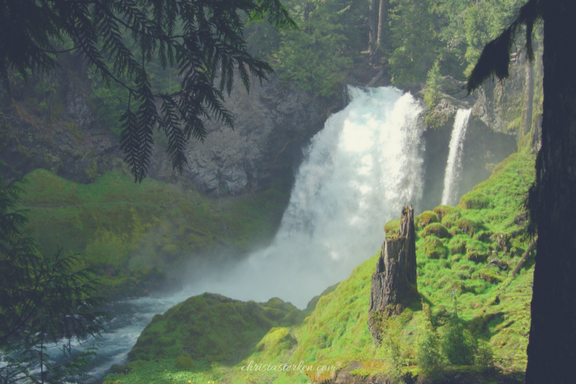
(436,229)
(476,251)
(425,218)
(469,227)
(184,363)
(474,200)
(434,248)
(489,275)
(458,244)
(445,210)
(457,344)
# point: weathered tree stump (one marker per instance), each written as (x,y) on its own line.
(394,285)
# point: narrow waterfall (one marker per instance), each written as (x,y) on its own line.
(357,173)
(454,163)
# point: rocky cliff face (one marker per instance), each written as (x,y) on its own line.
(57,129)
(272,124)
(49,123)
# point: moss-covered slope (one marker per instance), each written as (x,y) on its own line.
(480,242)
(134,232)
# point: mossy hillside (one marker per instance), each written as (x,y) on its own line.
(185,329)
(494,311)
(126,228)
(201,339)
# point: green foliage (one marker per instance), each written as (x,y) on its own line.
(458,346)
(240,326)
(432,92)
(111,102)
(42,300)
(474,200)
(434,248)
(201,41)
(392,228)
(415,26)
(313,59)
(425,218)
(435,229)
(335,332)
(124,228)
(428,355)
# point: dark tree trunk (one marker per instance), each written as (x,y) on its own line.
(381,22)
(372,31)
(552,346)
(528,98)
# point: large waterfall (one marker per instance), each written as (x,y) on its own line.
(454,163)
(357,173)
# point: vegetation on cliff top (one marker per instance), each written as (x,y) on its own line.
(133,233)
(475,274)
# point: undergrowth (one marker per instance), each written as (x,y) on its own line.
(485,241)
(131,231)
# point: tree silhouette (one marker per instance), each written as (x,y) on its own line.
(552,343)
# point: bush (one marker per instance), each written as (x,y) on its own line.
(425,218)
(445,210)
(428,355)
(436,229)
(476,251)
(474,200)
(184,363)
(458,244)
(434,248)
(469,227)
(457,344)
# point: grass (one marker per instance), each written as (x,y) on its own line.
(493,306)
(125,228)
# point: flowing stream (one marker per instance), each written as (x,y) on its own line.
(357,173)
(454,163)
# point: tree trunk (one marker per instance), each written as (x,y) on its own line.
(552,345)
(528,98)
(372,32)
(394,284)
(381,22)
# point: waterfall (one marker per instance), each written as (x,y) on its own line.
(454,163)
(357,173)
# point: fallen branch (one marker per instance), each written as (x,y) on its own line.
(524,257)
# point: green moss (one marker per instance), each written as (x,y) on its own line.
(476,251)
(444,210)
(469,226)
(490,275)
(436,229)
(458,244)
(425,218)
(122,227)
(474,200)
(491,305)
(434,248)
(392,228)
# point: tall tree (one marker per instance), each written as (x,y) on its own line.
(381,22)
(552,344)
(204,39)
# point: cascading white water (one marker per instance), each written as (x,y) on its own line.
(358,172)
(454,163)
